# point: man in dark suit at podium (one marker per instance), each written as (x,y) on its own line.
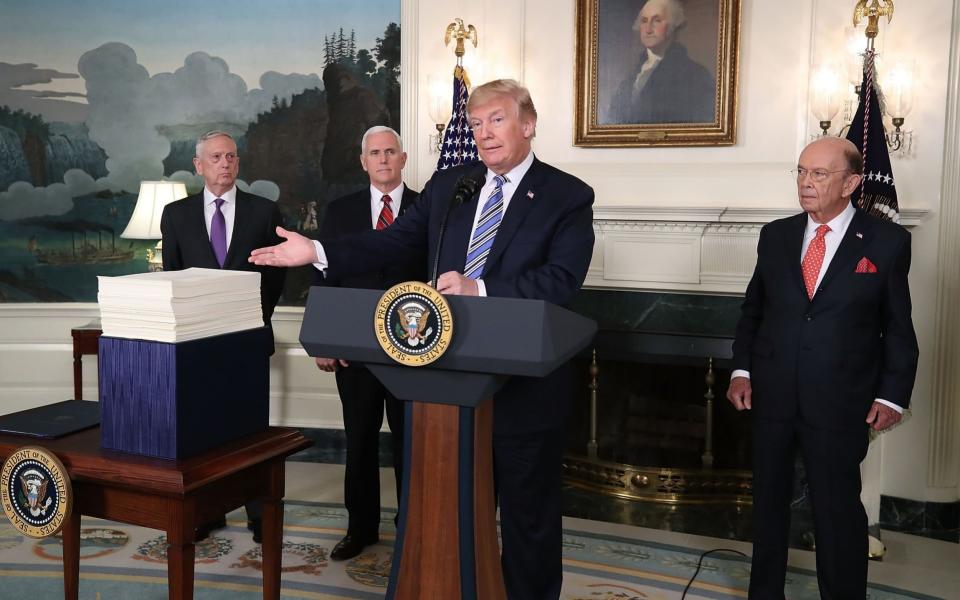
(363,397)
(825,347)
(217,229)
(527,234)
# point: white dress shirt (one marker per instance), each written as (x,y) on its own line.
(228,208)
(838,228)
(376,202)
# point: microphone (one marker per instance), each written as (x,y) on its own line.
(467,185)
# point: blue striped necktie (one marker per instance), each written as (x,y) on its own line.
(486,231)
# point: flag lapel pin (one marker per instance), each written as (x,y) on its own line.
(530,195)
(859,235)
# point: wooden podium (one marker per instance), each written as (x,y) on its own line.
(446,545)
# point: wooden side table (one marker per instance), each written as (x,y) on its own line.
(173,496)
(86,340)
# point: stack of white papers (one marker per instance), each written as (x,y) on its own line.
(178,306)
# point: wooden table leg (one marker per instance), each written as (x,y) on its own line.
(77,372)
(273,532)
(71,555)
(180,553)
(180,570)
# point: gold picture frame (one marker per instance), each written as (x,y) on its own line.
(622,102)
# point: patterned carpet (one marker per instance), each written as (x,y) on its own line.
(121,562)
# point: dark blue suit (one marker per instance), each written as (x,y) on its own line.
(363,397)
(816,366)
(542,251)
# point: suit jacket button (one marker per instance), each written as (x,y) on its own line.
(808,317)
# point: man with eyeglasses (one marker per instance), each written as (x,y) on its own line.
(528,233)
(825,349)
(216,229)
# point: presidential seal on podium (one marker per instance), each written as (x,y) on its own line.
(413,323)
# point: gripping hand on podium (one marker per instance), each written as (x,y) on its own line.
(330,365)
(453,283)
(297,250)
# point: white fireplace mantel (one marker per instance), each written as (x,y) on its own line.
(683,249)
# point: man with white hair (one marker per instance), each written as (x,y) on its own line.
(666,86)
(216,229)
(363,397)
(825,349)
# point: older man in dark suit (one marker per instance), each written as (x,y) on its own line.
(217,229)
(363,397)
(527,234)
(825,347)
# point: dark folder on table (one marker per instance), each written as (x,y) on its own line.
(52,420)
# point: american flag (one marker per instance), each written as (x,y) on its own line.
(877,195)
(458,145)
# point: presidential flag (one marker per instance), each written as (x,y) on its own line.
(458,145)
(877,194)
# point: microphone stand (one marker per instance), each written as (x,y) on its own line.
(465,188)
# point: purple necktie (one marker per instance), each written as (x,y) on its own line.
(218,233)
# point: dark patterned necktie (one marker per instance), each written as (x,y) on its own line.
(386,215)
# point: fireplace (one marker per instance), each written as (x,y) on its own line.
(652,422)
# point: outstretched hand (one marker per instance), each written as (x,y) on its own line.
(295,251)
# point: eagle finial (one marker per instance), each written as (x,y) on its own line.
(458,31)
(872,10)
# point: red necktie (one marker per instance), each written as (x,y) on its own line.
(386,215)
(813,260)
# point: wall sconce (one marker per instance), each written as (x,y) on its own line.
(145,221)
(827,92)
(439,107)
(897,87)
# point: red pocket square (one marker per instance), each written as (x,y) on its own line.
(865,266)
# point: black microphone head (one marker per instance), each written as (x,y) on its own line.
(479,173)
(468,184)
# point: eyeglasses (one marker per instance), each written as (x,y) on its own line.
(818,175)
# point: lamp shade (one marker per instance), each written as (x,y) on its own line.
(856,46)
(898,86)
(826,91)
(439,105)
(154,195)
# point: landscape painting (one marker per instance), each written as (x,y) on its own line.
(97,97)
